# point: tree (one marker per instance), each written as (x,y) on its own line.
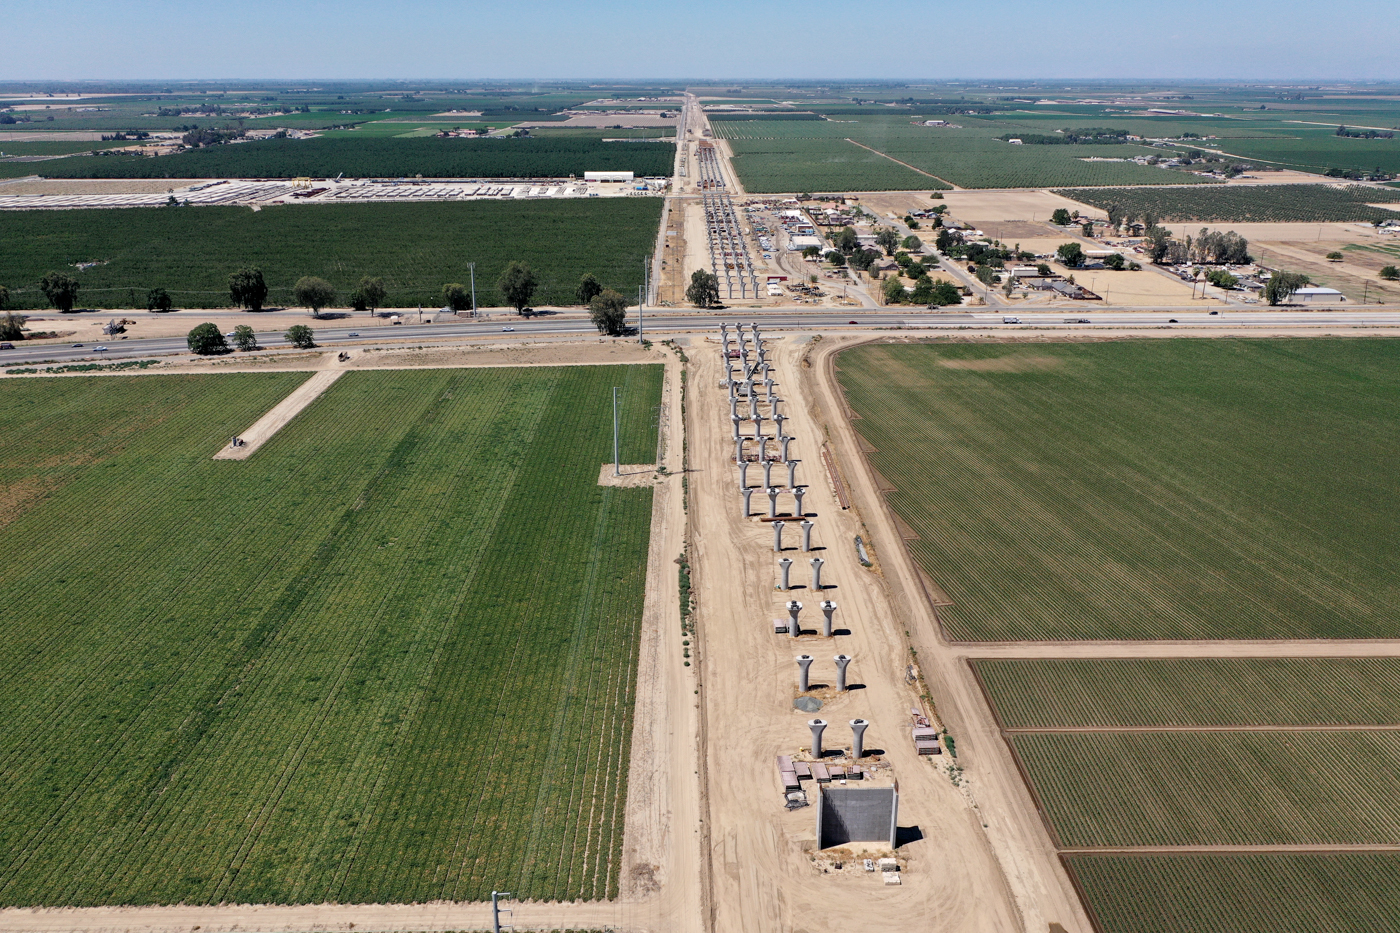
(846,240)
(314,293)
(61,290)
(368,295)
(811,252)
(4,296)
(1282,285)
(703,291)
(608,311)
(1060,217)
(887,239)
(1116,262)
(517,285)
(206,340)
(1159,243)
(457,296)
(244,338)
(893,290)
(923,291)
(912,242)
(864,259)
(1044,269)
(945,293)
(158,299)
(1390,273)
(1335,256)
(1115,216)
(588,289)
(247,288)
(12,326)
(301,336)
(1088,229)
(1221,279)
(835,258)
(985,275)
(1071,255)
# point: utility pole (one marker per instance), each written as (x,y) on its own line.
(472,266)
(496,909)
(617,466)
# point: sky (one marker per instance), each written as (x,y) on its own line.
(722,40)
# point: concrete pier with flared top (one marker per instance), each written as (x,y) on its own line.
(794,609)
(816,563)
(767,473)
(743,474)
(733,406)
(785,570)
(734,420)
(777,400)
(768,387)
(762,449)
(778,536)
(797,494)
(804,672)
(748,502)
(785,439)
(792,473)
(807,534)
(817,726)
(779,419)
(841,661)
(738,450)
(757,426)
(858,727)
(828,610)
(772,502)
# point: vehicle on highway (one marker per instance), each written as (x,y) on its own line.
(99,349)
(1011,320)
(7,346)
(76,345)
(1215,312)
(353,333)
(1173,321)
(852,322)
(507,329)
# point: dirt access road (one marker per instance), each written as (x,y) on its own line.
(763,874)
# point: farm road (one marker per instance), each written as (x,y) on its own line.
(279,415)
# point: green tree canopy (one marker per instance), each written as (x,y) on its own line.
(457,296)
(244,338)
(4,296)
(1060,217)
(835,258)
(60,289)
(887,239)
(893,290)
(206,340)
(588,289)
(1390,273)
(12,326)
(846,240)
(1071,255)
(158,299)
(912,242)
(703,291)
(301,336)
(517,285)
(608,311)
(247,288)
(314,293)
(1115,262)
(369,294)
(1282,285)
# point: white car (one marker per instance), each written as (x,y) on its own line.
(99,349)
(508,330)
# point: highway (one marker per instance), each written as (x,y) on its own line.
(664,323)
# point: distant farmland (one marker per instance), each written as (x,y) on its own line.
(1246,204)
(378,157)
(416,248)
(1146,489)
(390,658)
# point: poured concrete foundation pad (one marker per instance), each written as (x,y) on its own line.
(857,814)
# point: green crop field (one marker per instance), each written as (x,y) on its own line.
(821,165)
(389,658)
(1144,693)
(1151,489)
(377,157)
(1264,893)
(414,247)
(1254,203)
(1216,788)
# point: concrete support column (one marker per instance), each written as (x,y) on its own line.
(785,569)
(743,474)
(858,738)
(798,493)
(733,406)
(792,473)
(816,563)
(762,450)
(767,473)
(779,419)
(753,406)
(807,534)
(768,387)
(738,450)
(785,439)
(804,672)
(734,419)
(748,500)
(777,400)
(778,536)
(841,661)
(757,426)
(794,609)
(817,726)
(772,502)
(828,610)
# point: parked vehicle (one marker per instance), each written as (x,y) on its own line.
(1011,320)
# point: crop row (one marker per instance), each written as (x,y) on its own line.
(1265,893)
(385,659)
(377,157)
(1085,693)
(1216,788)
(1229,489)
(415,248)
(1246,204)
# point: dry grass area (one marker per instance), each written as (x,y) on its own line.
(95,186)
